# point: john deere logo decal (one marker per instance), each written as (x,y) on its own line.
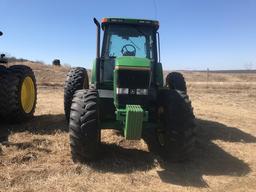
(132,91)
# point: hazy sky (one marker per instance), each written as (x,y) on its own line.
(195,34)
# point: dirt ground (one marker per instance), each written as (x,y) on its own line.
(38,156)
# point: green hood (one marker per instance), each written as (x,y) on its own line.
(131,62)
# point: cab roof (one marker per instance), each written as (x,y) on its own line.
(113,20)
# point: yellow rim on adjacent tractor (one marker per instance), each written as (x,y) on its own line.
(28,94)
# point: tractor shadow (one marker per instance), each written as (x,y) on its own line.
(42,124)
(207,158)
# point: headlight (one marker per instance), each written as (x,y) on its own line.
(125,91)
(141,91)
(121,91)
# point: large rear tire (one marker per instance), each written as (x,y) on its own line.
(176,80)
(3,132)
(77,78)
(22,94)
(5,91)
(176,133)
(2,92)
(84,128)
(8,93)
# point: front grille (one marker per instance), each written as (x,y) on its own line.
(132,80)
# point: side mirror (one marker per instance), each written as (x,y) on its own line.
(1,33)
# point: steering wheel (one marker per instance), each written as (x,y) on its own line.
(125,51)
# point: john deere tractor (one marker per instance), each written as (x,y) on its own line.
(18,92)
(127,92)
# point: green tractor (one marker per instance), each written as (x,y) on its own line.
(127,93)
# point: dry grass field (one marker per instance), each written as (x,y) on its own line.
(38,155)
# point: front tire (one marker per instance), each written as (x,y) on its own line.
(77,78)
(84,131)
(176,133)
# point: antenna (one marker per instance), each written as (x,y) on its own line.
(155,8)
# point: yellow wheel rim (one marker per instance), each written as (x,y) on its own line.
(27,94)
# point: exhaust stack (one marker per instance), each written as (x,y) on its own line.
(97,53)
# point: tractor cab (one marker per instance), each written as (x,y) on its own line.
(124,39)
(127,43)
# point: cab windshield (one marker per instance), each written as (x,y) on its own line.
(128,40)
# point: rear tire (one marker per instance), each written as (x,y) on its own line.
(5,91)
(77,78)
(176,80)
(8,94)
(176,135)
(22,94)
(84,131)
